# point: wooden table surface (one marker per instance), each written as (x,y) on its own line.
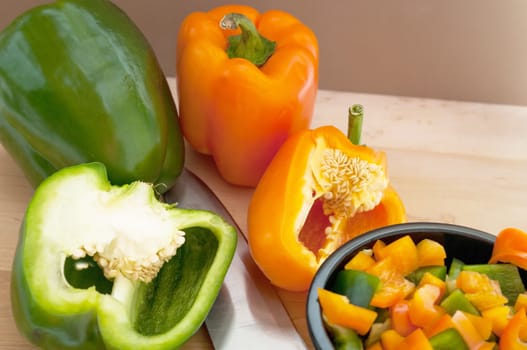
(455,162)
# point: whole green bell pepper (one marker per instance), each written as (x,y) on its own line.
(100,266)
(80,83)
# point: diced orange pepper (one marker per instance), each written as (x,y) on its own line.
(487,346)
(385,298)
(443,323)
(400,318)
(472,281)
(423,308)
(405,253)
(521,301)
(394,286)
(467,330)
(375,346)
(511,337)
(486,300)
(429,278)
(390,339)
(482,325)
(499,317)
(415,340)
(480,290)
(378,250)
(360,262)
(511,247)
(430,253)
(339,311)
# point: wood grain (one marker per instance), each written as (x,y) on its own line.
(458,162)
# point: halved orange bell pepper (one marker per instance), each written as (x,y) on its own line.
(319,191)
(241,97)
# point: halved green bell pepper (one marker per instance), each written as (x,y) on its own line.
(100,266)
(80,83)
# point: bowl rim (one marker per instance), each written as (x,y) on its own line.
(315,325)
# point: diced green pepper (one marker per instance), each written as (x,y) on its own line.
(455,268)
(507,275)
(438,271)
(376,331)
(358,286)
(453,271)
(449,339)
(383,315)
(345,338)
(457,300)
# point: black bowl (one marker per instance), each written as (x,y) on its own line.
(470,245)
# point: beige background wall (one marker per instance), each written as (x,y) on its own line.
(453,49)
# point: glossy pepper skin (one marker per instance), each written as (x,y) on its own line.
(238,112)
(79,83)
(511,247)
(319,191)
(63,301)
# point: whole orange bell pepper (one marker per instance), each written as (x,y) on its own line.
(319,191)
(241,96)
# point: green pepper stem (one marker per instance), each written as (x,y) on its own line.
(250,44)
(355,117)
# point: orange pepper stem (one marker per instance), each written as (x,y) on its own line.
(355,117)
(250,44)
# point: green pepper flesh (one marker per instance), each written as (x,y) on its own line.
(456,300)
(449,339)
(357,286)
(59,306)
